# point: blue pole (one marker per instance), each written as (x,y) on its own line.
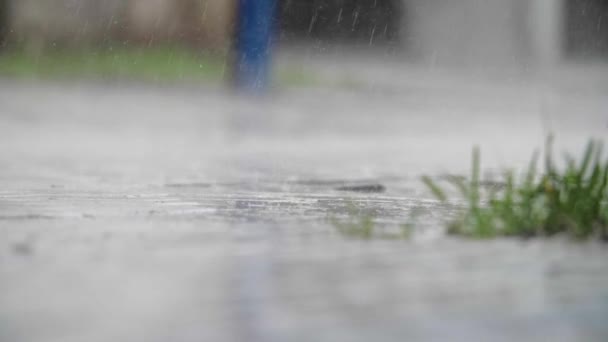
(254,34)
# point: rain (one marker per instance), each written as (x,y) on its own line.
(303,170)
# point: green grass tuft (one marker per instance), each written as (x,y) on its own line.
(572,200)
(361,225)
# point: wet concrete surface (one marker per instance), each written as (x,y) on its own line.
(136,212)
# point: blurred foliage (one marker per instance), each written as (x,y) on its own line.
(571,201)
(157,64)
(150,64)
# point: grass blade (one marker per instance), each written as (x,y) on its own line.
(474,193)
(460,184)
(531,173)
(589,153)
(435,189)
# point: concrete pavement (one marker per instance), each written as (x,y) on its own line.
(136,212)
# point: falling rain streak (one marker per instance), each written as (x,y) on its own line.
(371,38)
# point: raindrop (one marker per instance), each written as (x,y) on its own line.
(371,39)
(312,22)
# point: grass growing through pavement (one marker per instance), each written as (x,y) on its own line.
(571,200)
(362,225)
(356,226)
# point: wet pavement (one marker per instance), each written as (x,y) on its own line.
(139,212)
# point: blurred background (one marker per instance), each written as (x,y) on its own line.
(492,33)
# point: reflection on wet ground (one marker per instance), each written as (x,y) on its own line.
(144,213)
